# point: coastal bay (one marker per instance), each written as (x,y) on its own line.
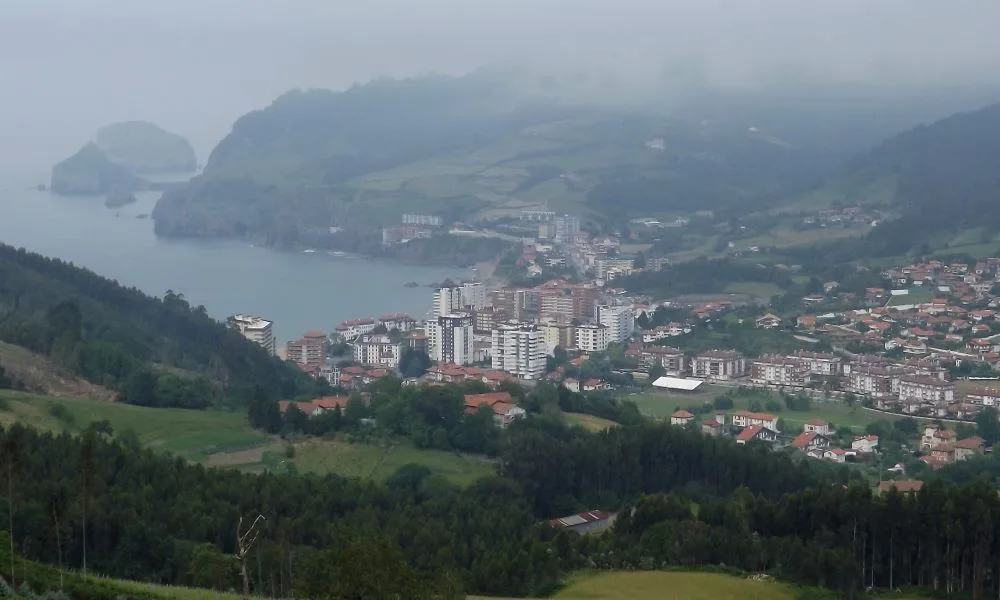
(298,291)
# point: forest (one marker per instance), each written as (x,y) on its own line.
(100,503)
(159,352)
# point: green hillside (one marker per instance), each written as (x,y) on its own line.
(475,147)
(151,351)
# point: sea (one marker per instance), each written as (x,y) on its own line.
(299,291)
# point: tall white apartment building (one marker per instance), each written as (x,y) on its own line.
(449,338)
(592,337)
(255,329)
(473,294)
(519,349)
(449,300)
(620,320)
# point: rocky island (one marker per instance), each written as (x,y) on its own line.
(119,198)
(90,172)
(144,148)
(119,157)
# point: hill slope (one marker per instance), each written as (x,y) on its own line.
(471,148)
(936,179)
(153,351)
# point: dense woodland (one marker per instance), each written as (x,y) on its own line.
(144,516)
(159,352)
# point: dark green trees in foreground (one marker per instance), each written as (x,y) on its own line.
(156,518)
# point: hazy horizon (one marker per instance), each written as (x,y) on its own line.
(72,66)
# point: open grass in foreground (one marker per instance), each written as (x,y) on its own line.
(665,585)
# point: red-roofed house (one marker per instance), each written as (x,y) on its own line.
(505,411)
(810,440)
(745,418)
(756,432)
(865,443)
(818,426)
(681,417)
(972,446)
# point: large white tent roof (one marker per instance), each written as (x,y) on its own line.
(677,383)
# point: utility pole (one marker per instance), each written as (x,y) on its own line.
(244,543)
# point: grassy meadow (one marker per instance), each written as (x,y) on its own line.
(225,439)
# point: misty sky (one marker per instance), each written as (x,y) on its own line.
(193,66)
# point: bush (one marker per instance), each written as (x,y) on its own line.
(61,413)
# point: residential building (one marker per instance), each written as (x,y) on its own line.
(681,418)
(820,363)
(865,443)
(610,268)
(745,418)
(473,295)
(984,396)
(809,441)
(672,360)
(968,447)
(773,370)
(926,390)
(427,220)
(416,340)
(555,334)
(556,307)
(487,318)
(377,350)
(398,321)
(768,321)
(719,365)
(592,337)
(449,338)
(620,320)
(818,426)
(505,410)
(756,432)
(715,426)
(315,407)
(352,328)
(256,329)
(567,227)
(519,349)
(870,381)
(310,350)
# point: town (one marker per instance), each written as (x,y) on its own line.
(923,345)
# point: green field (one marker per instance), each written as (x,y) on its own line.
(188,433)
(916,295)
(225,439)
(758,289)
(588,422)
(665,585)
(661,405)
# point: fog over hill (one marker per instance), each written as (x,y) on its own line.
(194,67)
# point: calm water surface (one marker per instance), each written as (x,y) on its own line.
(297,291)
